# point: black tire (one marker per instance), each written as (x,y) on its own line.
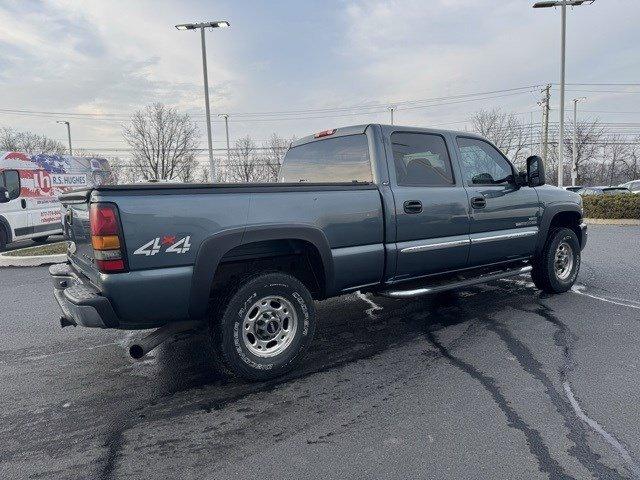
(545,275)
(3,239)
(40,239)
(230,330)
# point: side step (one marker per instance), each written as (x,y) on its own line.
(443,287)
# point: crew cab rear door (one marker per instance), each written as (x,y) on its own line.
(504,216)
(431,206)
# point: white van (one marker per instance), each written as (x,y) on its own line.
(29,189)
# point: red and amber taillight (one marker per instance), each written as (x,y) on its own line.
(106,237)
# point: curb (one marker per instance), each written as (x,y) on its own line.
(613,221)
(30,260)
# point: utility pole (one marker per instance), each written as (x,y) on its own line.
(574,163)
(391,109)
(68,134)
(226,129)
(546,107)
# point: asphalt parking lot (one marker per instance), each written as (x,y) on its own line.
(495,381)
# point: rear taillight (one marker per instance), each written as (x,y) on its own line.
(105,237)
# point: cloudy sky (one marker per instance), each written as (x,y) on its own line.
(295,67)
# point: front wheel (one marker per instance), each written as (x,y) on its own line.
(263,327)
(3,239)
(556,269)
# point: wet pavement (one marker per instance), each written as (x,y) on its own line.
(494,381)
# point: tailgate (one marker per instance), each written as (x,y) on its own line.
(77,229)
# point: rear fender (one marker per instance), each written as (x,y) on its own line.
(215,247)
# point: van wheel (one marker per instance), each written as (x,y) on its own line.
(263,326)
(556,269)
(3,239)
(40,239)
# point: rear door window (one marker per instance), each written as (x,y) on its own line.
(421,160)
(334,160)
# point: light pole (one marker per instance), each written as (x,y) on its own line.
(68,133)
(391,110)
(202,26)
(226,129)
(574,163)
(563,4)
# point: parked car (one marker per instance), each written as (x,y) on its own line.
(604,191)
(633,185)
(391,210)
(29,206)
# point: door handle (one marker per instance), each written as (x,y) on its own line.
(412,206)
(478,202)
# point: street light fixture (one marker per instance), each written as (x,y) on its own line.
(563,4)
(68,133)
(202,26)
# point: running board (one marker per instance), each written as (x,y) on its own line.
(456,284)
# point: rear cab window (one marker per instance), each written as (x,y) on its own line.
(333,160)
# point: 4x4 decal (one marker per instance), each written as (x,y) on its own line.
(171,242)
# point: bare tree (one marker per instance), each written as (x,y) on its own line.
(274,150)
(29,142)
(588,137)
(619,155)
(505,131)
(246,166)
(163,143)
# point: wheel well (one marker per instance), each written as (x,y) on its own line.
(570,220)
(298,258)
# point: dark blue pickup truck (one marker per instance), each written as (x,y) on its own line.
(397,211)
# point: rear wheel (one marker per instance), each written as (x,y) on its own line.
(40,239)
(556,269)
(3,239)
(263,326)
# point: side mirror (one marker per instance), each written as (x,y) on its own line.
(4,195)
(521,179)
(535,171)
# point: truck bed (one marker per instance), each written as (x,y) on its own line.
(346,218)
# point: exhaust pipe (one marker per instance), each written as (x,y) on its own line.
(143,346)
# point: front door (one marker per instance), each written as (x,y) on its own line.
(14,211)
(504,217)
(432,221)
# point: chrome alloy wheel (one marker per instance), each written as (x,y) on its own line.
(269,326)
(563,262)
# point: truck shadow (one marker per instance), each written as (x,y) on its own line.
(346,333)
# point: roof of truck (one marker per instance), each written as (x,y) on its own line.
(359,129)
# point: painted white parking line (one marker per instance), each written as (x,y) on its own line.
(374,306)
(623,302)
(595,426)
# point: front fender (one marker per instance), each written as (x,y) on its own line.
(549,212)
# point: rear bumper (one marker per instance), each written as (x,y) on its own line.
(81,303)
(584,236)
